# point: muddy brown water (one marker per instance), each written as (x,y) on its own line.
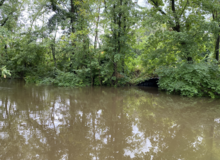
(101,123)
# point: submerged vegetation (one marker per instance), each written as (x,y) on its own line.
(113,42)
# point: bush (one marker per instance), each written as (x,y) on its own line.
(199,79)
(65,79)
(31,79)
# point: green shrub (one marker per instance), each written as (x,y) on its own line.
(5,72)
(199,79)
(65,79)
(31,79)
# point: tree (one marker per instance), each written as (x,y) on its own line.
(181,31)
(120,14)
(213,9)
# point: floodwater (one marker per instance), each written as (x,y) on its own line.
(53,123)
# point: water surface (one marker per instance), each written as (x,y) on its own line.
(52,123)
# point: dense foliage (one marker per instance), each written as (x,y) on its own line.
(112,42)
(198,79)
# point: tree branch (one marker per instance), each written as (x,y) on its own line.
(173,6)
(184,8)
(4,22)
(177,27)
(157,6)
(105,7)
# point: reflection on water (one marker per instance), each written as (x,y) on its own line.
(51,123)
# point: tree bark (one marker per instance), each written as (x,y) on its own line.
(96,29)
(217,48)
(115,47)
(120,28)
(177,25)
(124,30)
(95,43)
(72,10)
(54,54)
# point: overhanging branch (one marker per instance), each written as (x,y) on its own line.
(157,6)
(184,8)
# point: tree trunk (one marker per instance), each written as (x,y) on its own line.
(6,48)
(115,48)
(215,17)
(95,43)
(96,29)
(91,75)
(72,13)
(54,54)
(124,30)
(217,48)
(72,16)
(6,53)
(120,29)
